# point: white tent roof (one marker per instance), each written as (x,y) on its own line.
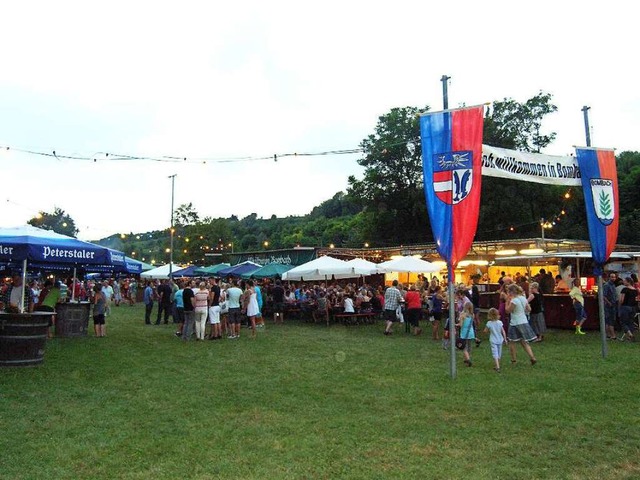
(409,265)
(160,272)
(364,266)
(323,268)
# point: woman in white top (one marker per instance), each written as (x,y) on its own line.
(519,328)
(252,306)
(348,304)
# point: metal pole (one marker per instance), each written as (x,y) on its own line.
(24,284)
(585,112)
(445,92)
(603,330)
(173,179)
(452,323)
(73,288)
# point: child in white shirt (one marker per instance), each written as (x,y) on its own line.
(497,336)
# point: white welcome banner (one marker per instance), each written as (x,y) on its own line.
(530,167)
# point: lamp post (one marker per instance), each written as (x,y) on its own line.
(445,92)
(173,181)
(544,225)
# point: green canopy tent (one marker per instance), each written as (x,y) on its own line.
(268,271)
(211,270)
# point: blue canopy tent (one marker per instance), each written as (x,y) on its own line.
(128,266)
(120,263)
(190,271)
(44,248)
(211,270)
(237,270)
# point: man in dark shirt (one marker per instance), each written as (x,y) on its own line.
(189,300)
(278,302)
(546,282)
(164,301)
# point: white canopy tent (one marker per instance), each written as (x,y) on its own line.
(324,268)
(364,266)
(159,272)
(408,265)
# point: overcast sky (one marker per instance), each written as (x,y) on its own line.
(216,80)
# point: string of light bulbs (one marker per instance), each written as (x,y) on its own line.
(114,157)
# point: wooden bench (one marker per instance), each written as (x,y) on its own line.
(354,318)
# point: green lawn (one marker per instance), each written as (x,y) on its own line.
(307,401)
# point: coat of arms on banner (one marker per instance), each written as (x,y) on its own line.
(453,176)
(603,199)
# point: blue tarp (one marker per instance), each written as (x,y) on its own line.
(186,272)
(237,270)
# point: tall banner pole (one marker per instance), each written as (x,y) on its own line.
(452,322)
(452,172)
(603,328)
(599,178)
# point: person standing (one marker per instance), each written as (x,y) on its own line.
(475,299)
(214,311)
(610,296)
(117,295)
(133,291)
(107,291)
(235,315)
(628,306)
(392,301)
(252,306)
(497,336)
(278,302)
(519,328)
(164,301)
(201,310)
(414,308)
(49,297)
(536,302)
(437,302)
(260,299)
(148,303)
(546,283)
(99,306)
(189,301)
(16,293)
(179,308)
(173,285)
(467,332)
(578,305)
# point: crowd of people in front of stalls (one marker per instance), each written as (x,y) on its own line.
(212,309)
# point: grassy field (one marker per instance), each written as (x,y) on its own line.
(307,401)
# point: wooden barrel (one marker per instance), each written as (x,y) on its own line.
(72,319)
(23,337)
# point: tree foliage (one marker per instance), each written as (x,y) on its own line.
(391,190)
(58,221)
(185,214)
(514,125)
